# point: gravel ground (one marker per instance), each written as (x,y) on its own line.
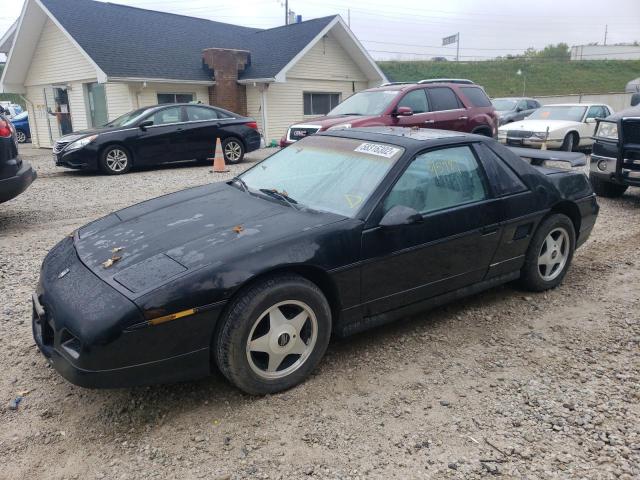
(504,383)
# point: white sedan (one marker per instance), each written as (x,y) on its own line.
(566,126)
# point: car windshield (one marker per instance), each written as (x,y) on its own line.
(571,113)
(128,118)
(503,104)
(324,173)
(366,103)
(20,116)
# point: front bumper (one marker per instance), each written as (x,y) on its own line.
(604,168)
(13,186)
(96,337)
(81,159)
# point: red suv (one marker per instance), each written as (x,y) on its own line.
(448,105)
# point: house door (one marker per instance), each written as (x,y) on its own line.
(59,118)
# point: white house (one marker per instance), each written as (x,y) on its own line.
(79,63)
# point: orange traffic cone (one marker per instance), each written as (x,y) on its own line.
(219,165)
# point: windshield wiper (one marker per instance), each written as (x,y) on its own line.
(272,192)
(242,183)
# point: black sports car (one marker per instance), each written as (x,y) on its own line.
(15,174)
(158,134)
(345,230)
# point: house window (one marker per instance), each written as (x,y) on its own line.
(320,103)
(175,97)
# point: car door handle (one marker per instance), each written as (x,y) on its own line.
(429,121)
(489,230)
(179,129)
(463,118)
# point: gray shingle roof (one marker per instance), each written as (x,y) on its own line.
(132,42)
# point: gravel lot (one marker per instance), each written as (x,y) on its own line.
(504,383)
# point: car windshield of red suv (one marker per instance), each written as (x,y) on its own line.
(365,103)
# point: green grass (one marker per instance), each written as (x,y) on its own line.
(543,77)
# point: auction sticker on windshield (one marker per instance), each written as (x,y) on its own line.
(377,149)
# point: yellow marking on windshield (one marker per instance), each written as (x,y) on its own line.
(353,200)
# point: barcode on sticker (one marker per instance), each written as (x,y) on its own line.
(377,149)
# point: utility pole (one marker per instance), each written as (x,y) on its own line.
(606,30)
(286,12)
(349,17)
(458,47)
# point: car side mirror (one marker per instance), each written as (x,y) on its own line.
(519,109)
(143,125)
(590,120)
(635,99)
(400,215)
(404,112)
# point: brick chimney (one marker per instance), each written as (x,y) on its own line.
(226,65)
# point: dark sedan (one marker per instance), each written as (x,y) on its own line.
(513,109)
(347,230)
(15,174)
(158,134)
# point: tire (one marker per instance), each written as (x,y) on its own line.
(244,362)
(570,142)
(233,149)
(115,160)
(21,136)
(535,276)
(606,189)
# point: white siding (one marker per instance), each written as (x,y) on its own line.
(148,95)
(38,117)
(254,105)
(326,68)
(77,106)
(118,99)
(57,60)
(327,60)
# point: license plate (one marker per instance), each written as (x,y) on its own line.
(513,142)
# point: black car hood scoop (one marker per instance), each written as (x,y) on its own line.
(146,245)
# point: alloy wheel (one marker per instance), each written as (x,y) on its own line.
(117,160)
(21,137)
(553,254)
(233,151)
(282,339)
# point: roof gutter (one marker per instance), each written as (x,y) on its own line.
(160,80)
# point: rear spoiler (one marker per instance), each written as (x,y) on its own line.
(539,157)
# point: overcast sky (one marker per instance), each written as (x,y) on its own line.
(413,29)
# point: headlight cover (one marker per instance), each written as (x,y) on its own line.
(540,135)
(83,142)
(607,130)
(341,126)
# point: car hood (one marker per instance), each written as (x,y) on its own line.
(628,112)
(156,241)
(72,137)
(326,122)
(539,125)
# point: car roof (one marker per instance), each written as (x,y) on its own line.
(574,105)
(513,98)
(403,136)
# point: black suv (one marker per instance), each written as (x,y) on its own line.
(15,175)
(615,160)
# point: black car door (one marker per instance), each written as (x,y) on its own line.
(453,245)
(200,132)
(160,141)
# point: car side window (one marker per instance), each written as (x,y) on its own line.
(167,115)
(522,105)
(443,98)
(416,100)
(439,179)
(532,105)
(597,111)
(198,114)
(503,179)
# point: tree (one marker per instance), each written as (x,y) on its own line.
(558,52)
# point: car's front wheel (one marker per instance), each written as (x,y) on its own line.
(115,160)
(570,142)
(274,334)
(606,189)
(549,254)
(233,150)
(21,136)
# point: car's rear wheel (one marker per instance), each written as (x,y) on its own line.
(606,189)
(549,255)
(274,334)
(570,142)
(21,136)
(115,160)
(233,149)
